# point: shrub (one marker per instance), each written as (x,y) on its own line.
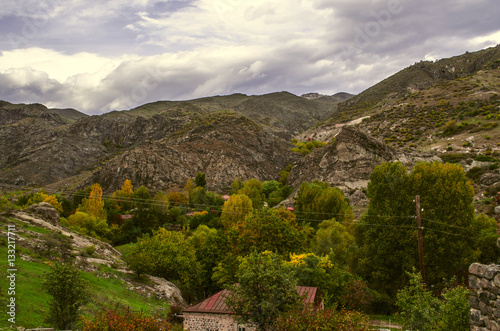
(67,288)
(327,319)
(118,321)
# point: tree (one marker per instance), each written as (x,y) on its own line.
(127,187)
(94,205)
(252,188)
(333,238)
(145,216)
(88,224)
(236,185)
(166,254)
(189,187)
(420,310)
(64,283)
(319,201)
(235,209)
(266,289)
(52,200)
(269,230)
(387,234)
(200,180)
(211,247)
(333,281)
(418,307)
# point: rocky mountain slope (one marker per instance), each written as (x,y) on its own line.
(226,136)
(447,109)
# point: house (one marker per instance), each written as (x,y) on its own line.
(212,314)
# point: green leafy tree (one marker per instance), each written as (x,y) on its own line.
(487,250)
(211,247)
(235,210)
(267,229)
(145,216)
(200,180)
(236,186)
(252,188)
(166,254)
(420,310)
(387,234)
(334,239)
(68,291)
(88,224)
(319,201)
(266,289)
(333,281)
(418,307)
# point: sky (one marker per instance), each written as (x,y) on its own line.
(98,56)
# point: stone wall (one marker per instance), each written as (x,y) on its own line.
(484,284)
(211,322)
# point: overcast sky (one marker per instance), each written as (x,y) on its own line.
(97,56)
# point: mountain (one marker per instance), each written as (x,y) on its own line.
(224,136)
(447,109)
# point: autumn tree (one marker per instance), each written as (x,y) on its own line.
(94,205)
(266,289)
(52,200)
(189,187)
(235,210)
(127,187)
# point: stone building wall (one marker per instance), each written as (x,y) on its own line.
(211,322)
(484,284)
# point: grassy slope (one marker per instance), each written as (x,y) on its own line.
(107,288)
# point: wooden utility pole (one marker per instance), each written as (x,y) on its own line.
(420,239)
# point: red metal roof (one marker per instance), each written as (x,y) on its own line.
(216,304)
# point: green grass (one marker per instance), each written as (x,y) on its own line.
(104,293)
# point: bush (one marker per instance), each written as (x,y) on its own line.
(420,310)
(327,319)
(67,288)
(118,321)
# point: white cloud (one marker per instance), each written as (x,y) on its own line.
(99,56)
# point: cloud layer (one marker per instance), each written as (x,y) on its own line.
(100,56)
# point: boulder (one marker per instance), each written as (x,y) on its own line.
(45,211)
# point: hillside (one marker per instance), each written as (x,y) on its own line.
(71,151)
(41,241)
(447,109)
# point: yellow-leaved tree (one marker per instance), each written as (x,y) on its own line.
(127,187)
(94,205)
(52,200)
(235,210)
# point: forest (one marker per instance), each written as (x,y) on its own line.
(204,241)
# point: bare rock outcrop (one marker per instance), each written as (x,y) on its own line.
(45,211)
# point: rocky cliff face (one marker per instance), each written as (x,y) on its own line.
(227,148)
(348,161)
(159,145)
